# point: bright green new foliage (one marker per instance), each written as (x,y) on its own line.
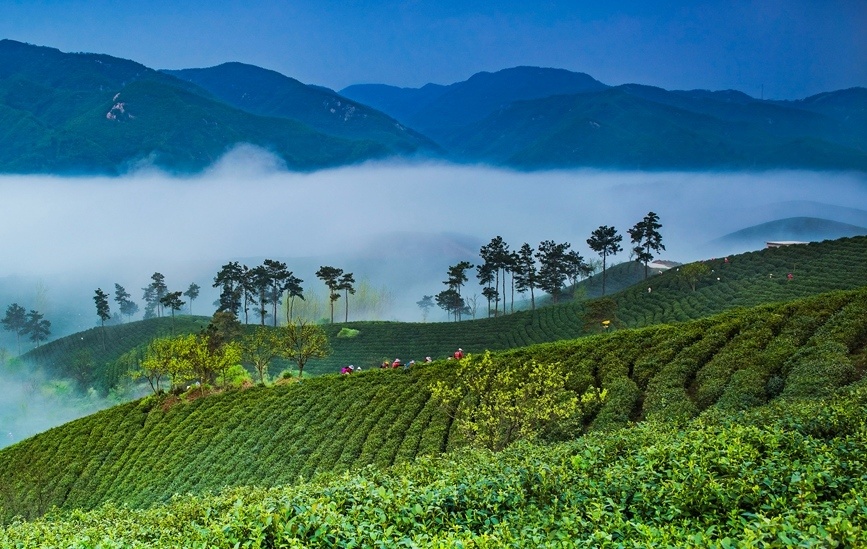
(495,402)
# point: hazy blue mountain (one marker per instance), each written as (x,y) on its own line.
(401,103)
(85,113)
(534,118)
(269,93)
(438,110)
(836,117)
(73,113)
(803,229)
(638,127)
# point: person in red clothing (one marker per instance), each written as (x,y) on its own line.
(459,354)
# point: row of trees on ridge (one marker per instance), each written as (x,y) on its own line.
(549,268)
(23,323)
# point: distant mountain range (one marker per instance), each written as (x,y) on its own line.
(803,229)
(85,113)
(89,113)
(556,119)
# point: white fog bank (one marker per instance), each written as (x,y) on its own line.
(244,206)
(394,225)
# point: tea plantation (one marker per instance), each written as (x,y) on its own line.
(742,280)
(782,464)
(754,481)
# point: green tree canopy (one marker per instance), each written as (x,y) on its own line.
(495,404)
(102,310)
(230,281)
(605,241)
(37,327)
(301,341)
(126,306)
(646,239)
(692,273)
(260,348)
(330,276)
(425,305)
(15,321)
(525,272)
(192,293)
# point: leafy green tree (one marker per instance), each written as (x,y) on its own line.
(249,291)
(189,357)
(278,275)
(605,241)
(575,268)
(457,276)
(192,293)
(497,258)
(646,239)
(150,310)
(260,348)
(230,281)
(293,289)
(37,327)
(346,283)
(154,292)
(525,272)
(211,363)
(223,328)
(425,304)
(102,310)
(160,361)
(16,321)
(301,341)
(485,276)
(173,301)
(552,267)
(126,306)
(451,302)
(260,282)
(331,276)
(495,404)
(692,273)
(491,294)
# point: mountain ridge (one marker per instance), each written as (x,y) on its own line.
(69,113)
(90,113)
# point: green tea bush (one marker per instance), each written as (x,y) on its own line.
(818,371)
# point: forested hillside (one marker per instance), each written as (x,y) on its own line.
(146,451)
(66,113)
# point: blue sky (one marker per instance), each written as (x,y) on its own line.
(788,48)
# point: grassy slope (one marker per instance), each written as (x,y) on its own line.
(744,281)
(754,482)
(141,453)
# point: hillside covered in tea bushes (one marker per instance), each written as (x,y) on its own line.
(787,476)
(146,451)
(742,280)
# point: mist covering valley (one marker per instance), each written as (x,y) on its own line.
(396,226)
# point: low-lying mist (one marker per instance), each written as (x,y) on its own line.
(31,403)
(76,234)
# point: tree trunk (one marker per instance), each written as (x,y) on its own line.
(603,274)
